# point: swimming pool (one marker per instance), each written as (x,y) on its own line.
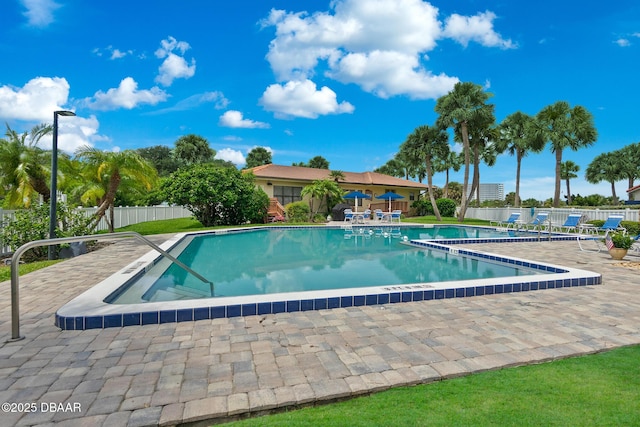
(362,265)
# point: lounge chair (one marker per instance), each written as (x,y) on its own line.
(395,216)
(378,215)
(539,222)
(611,224)
(348,215)
(512,221)
(570,224)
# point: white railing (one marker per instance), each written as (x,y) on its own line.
(123,216)
(556,215)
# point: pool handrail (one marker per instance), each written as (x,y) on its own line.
(15,261)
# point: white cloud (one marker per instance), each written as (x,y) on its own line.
(75,132)
(35,101)
(126,95)
(302,99)
(39,13)
(234,119)
(194,101)
(231,155)
(478,28)
(174,65)
(379,45)
(391,73)
(623,42)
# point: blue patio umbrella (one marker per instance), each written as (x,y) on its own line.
(356,195)
(390,195)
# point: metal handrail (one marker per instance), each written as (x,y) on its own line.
(15,260)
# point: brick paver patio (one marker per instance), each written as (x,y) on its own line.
(217,369)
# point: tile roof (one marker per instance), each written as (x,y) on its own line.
(299,173)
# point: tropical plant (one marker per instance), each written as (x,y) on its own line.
(605,167)
(515,135)
(422,147)
(319,162)
(161,157)
(323,191)
(568,171)
(106,172)
(32,224)
(564,127)
(193,149)
(258,156)
(217,196)
(465,105)
(451,160)
(297,211)
(621,240)
(23,171)
(337,175)
(629,158)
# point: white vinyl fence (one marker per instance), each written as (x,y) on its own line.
(123,216)
(556,215)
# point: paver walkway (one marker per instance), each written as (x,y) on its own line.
(217,369)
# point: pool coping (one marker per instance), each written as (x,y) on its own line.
(88,311)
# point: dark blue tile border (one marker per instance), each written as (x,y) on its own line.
(390,295)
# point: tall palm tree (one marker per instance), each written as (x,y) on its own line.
(481,139)
(424,146)
(23,167)
(605,167)
(564,127)
(629,157)
(464,105)
(516,137)
(568,171)
(106,171)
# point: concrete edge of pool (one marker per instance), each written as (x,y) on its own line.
(89,311)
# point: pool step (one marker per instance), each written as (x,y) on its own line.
(178,293)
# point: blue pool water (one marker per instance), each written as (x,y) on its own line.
(276,260)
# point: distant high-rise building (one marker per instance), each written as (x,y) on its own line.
(489,192)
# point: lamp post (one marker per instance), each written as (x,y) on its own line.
(54,180)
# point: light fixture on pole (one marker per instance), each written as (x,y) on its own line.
(54,180)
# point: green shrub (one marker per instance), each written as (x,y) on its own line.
(298,211)
(216,195)
(447,207)
(33,224)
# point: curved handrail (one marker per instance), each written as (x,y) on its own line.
(15,260)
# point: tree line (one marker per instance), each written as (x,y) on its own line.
(467,112)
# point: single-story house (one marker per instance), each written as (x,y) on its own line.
(634,194)
(285,183)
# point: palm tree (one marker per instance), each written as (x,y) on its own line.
(605,167)
(424,146)
(451,160)
(107,171)
(337,175)
(564,127)
(629,157)
(192,149)
(322,190)
(481,139)
(568,171)
(515,136)
(464,105)
(23,170)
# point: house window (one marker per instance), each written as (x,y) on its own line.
(286,195)
(412,196)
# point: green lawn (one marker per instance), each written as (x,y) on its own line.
(595,390)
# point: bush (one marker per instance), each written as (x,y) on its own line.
(447,207)
(217,195)
(298,211)
(33,224)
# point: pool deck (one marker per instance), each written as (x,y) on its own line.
(218,370)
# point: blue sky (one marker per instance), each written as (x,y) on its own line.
(345,79)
